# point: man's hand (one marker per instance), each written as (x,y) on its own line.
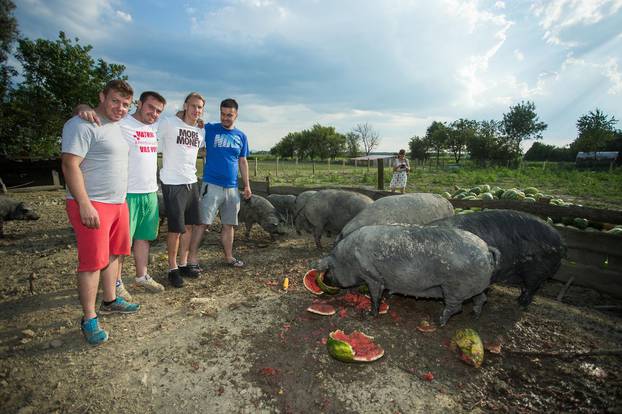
(89,216)
(88,114)
(247,193)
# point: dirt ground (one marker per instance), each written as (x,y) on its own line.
(251,347)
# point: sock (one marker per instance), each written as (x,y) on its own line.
(142,278)
(118,283)
(170,270)
(109,303)
(183,265)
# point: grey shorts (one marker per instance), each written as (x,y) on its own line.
(215,198)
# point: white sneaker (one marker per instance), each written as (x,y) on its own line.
(123,293)
(150,285)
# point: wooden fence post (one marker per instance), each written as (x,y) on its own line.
(268,184)
(55,178)
(380,162)
(313,167)
(343,164)
(277,166)
(255,166)
(328,164)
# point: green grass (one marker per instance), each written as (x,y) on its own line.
(590,188)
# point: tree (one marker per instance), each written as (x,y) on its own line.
(484,145)
(8,34)
(519,124)
(318,142)
(438,135)
(353,148)
(368,136)
(419,148)
(459,133)
(287,147)
(58,75)
(596,132)
(544,152)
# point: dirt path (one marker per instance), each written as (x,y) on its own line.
(251,347)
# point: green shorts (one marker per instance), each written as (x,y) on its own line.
(144,216)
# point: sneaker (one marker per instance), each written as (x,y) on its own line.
(93,333)
(149,285)
(119,306)
(175,279)
(123,293)
(191,270)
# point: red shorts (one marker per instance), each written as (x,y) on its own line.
(112,238)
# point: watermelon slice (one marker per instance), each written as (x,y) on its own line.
(425,326)
(331,290)
(356,347)
(363,302)
(322,309)
(310,283)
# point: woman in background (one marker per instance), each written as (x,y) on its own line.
(401,167)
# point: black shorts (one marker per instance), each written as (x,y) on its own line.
(182,206)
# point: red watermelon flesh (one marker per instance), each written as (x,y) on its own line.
(322,309)
(362,345)
(363,303)
(310,283)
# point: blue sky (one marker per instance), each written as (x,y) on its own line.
(396,64)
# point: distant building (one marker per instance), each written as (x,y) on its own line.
(598,158)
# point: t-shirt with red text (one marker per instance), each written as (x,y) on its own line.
(179,144)
(143,158)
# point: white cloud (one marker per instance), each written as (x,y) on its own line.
(519,55)
(558,15)
(499,5)
(126,17)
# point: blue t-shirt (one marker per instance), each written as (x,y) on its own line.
(224,147)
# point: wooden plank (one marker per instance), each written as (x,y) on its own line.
(599,242)
(36,188)
(545,210)
(592,277)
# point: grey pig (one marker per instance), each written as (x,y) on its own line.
(11,209)
(331,210)
(436,262)
(413,208)
(531,250)
(259,210)
(300,222)
(285,205)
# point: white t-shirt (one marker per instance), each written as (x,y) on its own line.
(179,144)
(143,163)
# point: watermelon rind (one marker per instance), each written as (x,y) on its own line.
(469,346)
(331,290)
(314,309)
(310,284)
(343,351)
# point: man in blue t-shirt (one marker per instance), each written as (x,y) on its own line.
(226,151)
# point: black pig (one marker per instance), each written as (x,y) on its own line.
(531,250)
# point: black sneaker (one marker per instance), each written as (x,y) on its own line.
(175,279)
(191,270)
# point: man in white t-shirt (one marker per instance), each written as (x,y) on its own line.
(140,132)
(179,141)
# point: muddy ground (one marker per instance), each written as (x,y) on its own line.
(252,347)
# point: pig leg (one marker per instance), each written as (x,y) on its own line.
(453,304)
(375,291)
(317,235)
(478,303)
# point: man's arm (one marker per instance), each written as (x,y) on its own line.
(75,182)
(87,113)
(243,164)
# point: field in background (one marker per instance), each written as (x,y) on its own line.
(591,188)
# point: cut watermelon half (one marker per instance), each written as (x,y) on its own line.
(309,280)
(356,347)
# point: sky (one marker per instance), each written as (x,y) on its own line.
(397,65)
